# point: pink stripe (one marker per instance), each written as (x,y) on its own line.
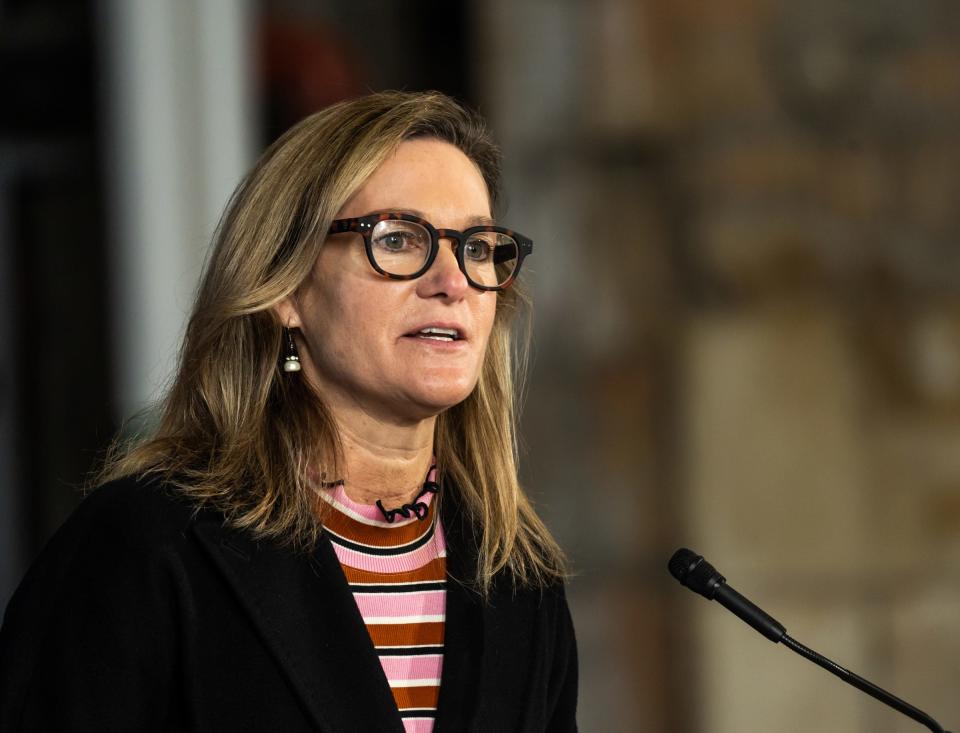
(419,725)
(426,603)
(426,667)
(397,563)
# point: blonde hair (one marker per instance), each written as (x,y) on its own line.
(237,434)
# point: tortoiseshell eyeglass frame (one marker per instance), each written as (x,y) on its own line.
(364,225)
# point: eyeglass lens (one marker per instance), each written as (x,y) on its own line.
(402,248)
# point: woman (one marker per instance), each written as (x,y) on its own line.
(325,531)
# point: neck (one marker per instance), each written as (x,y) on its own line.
(385,462)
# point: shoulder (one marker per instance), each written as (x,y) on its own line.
(121,549)
(138,510)
(102,595)
(116,532)
(547,600)
(137,496)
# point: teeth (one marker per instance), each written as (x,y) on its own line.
(439,334)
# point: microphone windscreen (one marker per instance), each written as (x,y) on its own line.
(682,562)
(696,573)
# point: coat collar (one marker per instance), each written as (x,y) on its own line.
(307,617)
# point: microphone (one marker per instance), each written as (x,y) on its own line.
(701,577)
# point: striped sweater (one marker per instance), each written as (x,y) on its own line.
(397,573)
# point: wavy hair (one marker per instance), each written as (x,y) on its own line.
(237,434)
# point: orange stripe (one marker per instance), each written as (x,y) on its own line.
(351,529)
(436,569)
(416,697)
(428,632)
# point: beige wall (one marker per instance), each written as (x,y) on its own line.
(747,273)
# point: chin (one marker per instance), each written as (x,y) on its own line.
(437,398)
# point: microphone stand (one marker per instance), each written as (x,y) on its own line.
(701,577)
(863,685)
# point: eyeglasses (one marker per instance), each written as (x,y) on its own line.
(403,247)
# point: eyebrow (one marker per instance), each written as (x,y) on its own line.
(474,220)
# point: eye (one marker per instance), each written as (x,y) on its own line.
(395,237)
(394,241)
(478,249)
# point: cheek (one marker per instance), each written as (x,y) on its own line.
(490,309)
(336,289)
(327,324)
(486,316)
(344,326)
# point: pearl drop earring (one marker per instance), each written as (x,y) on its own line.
(291,359)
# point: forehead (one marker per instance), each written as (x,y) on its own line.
(428,176)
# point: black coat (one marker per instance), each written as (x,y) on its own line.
(141,615)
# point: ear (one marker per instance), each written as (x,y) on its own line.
(288,313)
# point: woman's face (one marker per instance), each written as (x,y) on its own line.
(361,331)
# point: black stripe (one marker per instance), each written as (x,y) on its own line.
(418,713)
(367,550)
(405,651)
(411,588)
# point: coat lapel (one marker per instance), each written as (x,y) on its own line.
(463,657)
(307,617)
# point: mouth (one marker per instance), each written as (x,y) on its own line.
(436,333)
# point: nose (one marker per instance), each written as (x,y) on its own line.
(444,278)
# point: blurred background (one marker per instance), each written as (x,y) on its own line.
(747,288)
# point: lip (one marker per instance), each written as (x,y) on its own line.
(450,325)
